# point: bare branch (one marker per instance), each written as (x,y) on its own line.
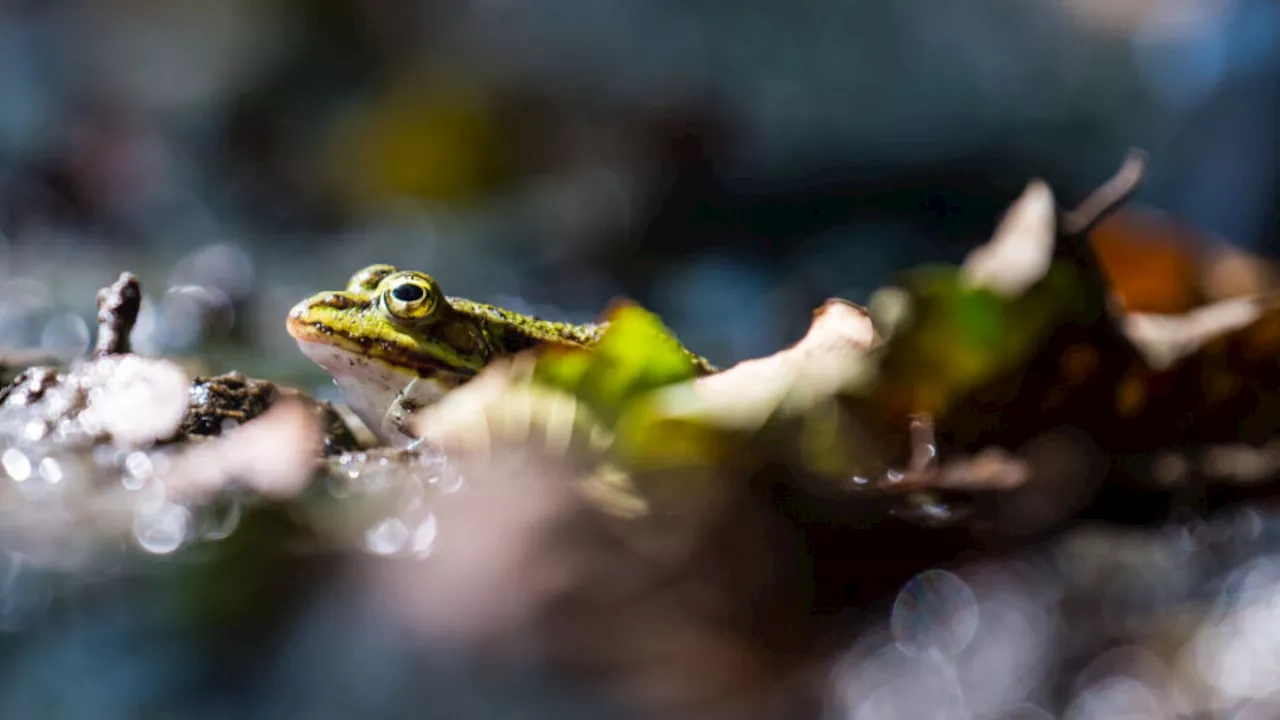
(1108,198)
(118,307)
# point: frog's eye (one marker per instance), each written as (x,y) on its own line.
(409,298)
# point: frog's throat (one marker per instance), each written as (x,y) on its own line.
(369,385)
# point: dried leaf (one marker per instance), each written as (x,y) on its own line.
(1020,251)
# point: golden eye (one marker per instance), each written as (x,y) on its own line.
(409,298)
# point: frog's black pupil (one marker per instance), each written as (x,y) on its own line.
(407,292)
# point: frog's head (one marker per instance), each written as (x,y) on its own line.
(387,328)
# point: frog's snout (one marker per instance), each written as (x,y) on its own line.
(297,316)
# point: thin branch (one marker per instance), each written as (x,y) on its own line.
(118,307)
(1108,198)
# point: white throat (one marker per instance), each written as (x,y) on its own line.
(368,386)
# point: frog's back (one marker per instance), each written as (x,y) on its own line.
(514,332)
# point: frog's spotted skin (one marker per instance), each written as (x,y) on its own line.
(392,338)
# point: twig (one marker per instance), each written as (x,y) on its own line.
(117,312)
(1108,198)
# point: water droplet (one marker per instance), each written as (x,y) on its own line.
(183,314)
(65,336)
(219,519)
(151,498)
(15,463)
(447,480)
(138,466)
(412,495)
(50,470)
(935,612)
(895,684)
(34,431)
(1115,697)
(62,431)
(224,266)
(387,537)
(930,510)
(161,530)
(90,422)
(424,538)
(144,400)
(58,403)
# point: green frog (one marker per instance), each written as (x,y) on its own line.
(393,342)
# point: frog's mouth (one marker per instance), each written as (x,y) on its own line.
(339,352)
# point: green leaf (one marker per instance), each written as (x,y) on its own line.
(961,336)
(636,355)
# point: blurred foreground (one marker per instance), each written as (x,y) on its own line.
(1006,490)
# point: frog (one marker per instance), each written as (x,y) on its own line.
(394,343)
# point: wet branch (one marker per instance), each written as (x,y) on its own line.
(117,312)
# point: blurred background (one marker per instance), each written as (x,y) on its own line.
(728,163)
